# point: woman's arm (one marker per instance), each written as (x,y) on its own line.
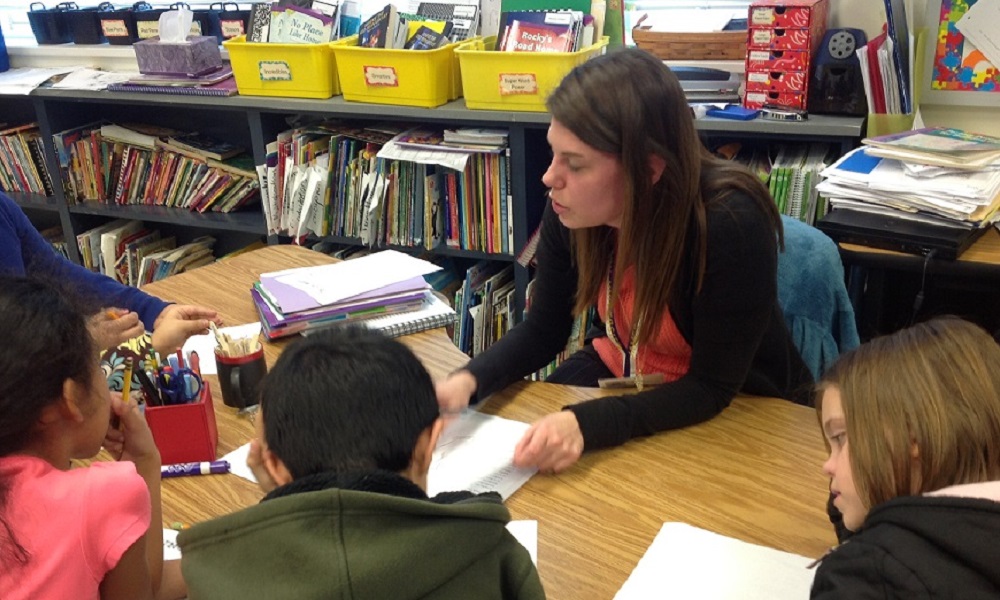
(728,320)
(534,342)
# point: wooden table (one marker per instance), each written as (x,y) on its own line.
(752,473)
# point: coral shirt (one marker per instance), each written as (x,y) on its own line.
(75,525)
(667,353)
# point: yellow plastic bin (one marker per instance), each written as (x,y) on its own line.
(289,70)
(425,78)
(515,80)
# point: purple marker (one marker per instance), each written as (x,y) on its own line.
(195,468)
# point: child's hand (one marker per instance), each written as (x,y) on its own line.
(112,327)
(137,440)
(255,460)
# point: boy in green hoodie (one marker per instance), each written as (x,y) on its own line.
(348,422)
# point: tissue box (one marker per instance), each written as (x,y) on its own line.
(200,55)
(185,432)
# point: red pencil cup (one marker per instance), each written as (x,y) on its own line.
(185,432)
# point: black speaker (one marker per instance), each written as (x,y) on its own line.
(836,86)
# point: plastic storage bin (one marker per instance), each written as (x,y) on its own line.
(227,21)
(288,70)
(118,25)
(85,24)
(49,24)
(425,78)
(185,432)
(515,80)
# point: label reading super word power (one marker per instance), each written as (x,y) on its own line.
(381,77)
(518,84)
(274,70)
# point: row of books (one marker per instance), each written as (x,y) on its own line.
(145,164)
(379,185)
(486,306)
(546,31)
(132,253)
(54,235)
(22,161)
(384,291)
(426,30)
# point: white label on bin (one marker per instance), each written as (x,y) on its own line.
(148,29)
(761,36)
(759,77)
(116,28)
(762,16)
(231,29)
(195,28)
(274,70)
(381,76)
(517,84)
(756,97)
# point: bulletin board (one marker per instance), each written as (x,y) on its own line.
(955,72)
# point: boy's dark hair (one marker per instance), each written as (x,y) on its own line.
(347,399)
(46,342)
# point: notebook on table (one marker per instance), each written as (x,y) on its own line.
(434,313)
(899,234)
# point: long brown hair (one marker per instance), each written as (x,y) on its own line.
(934,387)
(629,104)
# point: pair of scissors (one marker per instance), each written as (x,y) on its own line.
(180,387)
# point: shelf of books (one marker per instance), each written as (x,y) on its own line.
(171,180)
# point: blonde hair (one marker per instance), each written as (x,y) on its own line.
(933,388)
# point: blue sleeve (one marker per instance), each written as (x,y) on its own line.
(38,259)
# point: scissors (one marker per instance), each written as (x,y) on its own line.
(181,386)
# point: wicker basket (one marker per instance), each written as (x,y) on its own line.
(671,45)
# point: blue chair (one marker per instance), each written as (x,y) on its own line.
(813,296)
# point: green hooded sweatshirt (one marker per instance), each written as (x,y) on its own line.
(369,536)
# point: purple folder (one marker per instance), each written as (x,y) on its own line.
(293,300)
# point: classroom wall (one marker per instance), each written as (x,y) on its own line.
(869,15)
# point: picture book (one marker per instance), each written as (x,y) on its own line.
(380,30)
(206,146)
(940,140)
(522,36)
(426,39)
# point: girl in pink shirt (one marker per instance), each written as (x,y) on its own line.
(71,533)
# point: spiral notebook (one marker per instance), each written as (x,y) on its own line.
(435,312)
(226,87)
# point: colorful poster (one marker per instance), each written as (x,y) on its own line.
(958,65)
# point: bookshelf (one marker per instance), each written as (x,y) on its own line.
(255,121)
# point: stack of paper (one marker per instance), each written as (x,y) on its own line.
(358,290)
(937,176)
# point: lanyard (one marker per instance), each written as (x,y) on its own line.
(631,357)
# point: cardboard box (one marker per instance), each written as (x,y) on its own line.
(185,432)
(200,55)
(784,39)
(777,81)
(777,60)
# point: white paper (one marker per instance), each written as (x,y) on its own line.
(526,533)
(238,462)
(327,284)
(204,345)
(91,79)
(979,26)
(687,562)
(23,80)
(476,453)
(171,551)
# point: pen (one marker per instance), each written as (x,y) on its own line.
(195,468)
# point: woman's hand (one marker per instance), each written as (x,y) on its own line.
(178,322)
(454,393)
(112,327)
(137,443)
(553,444)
